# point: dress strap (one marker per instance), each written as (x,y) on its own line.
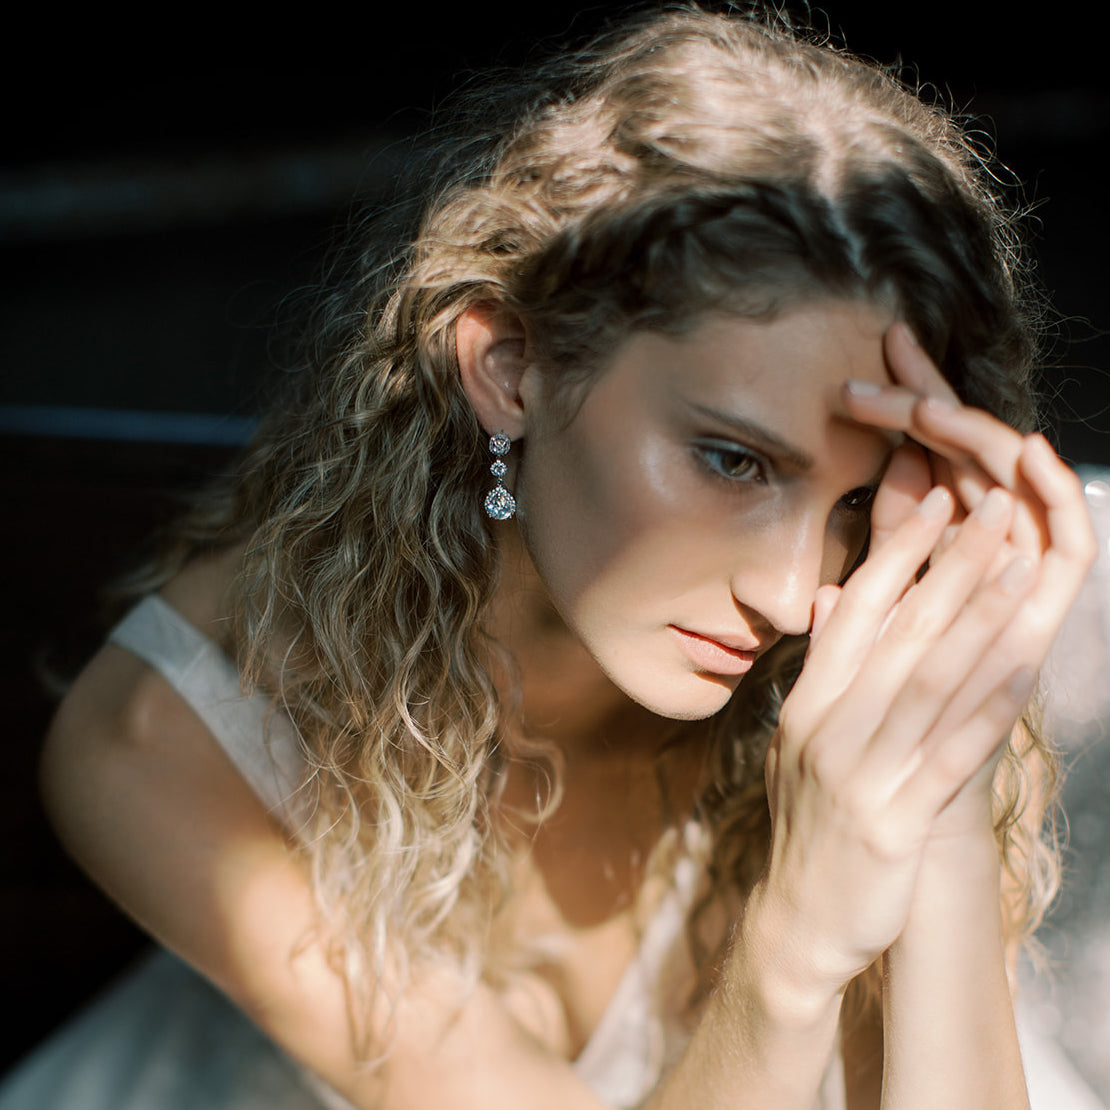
(257,735)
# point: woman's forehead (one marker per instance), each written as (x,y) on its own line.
(790,365)
(799,352)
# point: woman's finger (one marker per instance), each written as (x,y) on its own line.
(921,656)
(904,486)
(823,605)
(916,378)
(895,408)
(940,672)
(983,442)
(863,606)
(948,764)
(911,366)
(982,446)
(1071,548)
(966,435)
(1071,536)
(977,450)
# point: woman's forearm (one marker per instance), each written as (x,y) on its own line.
(768,1031)
(949,1035)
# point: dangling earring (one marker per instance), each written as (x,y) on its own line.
(500,503)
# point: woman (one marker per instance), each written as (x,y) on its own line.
(692,324)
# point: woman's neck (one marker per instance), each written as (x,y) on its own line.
(560,694)
(624,773)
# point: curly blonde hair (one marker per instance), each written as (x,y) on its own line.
(683,162)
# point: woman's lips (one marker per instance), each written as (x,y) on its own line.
(711,655)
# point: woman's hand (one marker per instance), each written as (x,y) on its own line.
(914,680)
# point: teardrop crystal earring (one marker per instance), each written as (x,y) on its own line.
(500,503)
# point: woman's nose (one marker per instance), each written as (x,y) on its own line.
(782,583)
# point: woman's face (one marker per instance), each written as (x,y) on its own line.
(706,486)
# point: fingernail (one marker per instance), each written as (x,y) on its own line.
(940,404)
(859,388)
(910,334)
(1016,576)
(937,504)
(994,509)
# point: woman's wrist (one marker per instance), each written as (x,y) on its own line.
(969,861)
(958,892)
(946,993)
(773,968)
(766,1021)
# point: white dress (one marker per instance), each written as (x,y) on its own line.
(164,1039)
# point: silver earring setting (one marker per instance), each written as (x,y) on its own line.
(500,503)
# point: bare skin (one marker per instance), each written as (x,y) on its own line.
(878,778)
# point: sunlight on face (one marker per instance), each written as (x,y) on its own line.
(705,488)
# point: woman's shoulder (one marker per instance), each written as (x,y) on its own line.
(144,796)
(119,697)
(165,689)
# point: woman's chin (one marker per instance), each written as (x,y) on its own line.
(694,697)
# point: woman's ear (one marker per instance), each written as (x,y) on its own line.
(490,345)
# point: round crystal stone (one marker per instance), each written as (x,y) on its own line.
(498,469)
(500,503)
(500,443)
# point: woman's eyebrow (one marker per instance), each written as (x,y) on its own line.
(758,436)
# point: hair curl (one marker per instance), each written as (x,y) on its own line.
(683,162)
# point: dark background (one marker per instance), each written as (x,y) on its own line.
(160,190)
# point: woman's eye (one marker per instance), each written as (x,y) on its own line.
(859,499)
(733,463)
